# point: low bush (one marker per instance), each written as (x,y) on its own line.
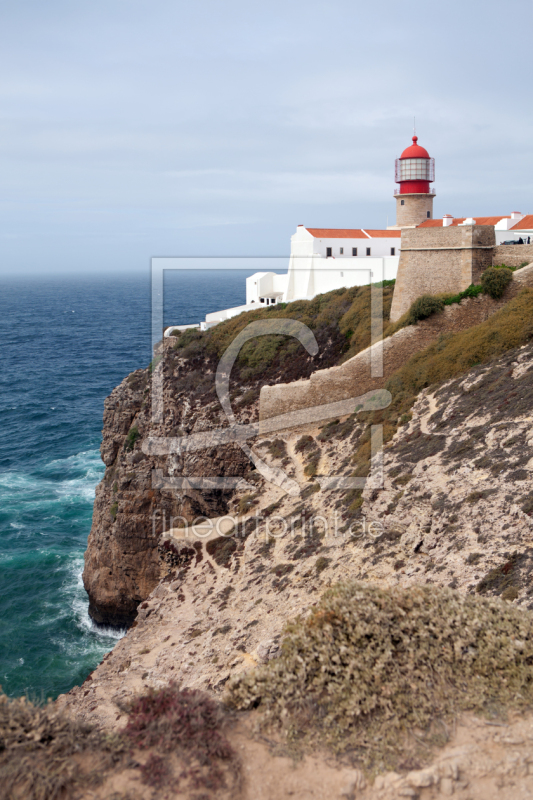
(424,307)
(513,269)
(472,291)
(321,564)
(495,281)
(190,723)
(305,444)
(40,751)
(354,673)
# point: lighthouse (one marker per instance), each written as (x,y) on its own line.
(415,170)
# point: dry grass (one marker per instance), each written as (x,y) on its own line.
(340,319)
(45,755)
(370,666)
(42,752)
(448,357)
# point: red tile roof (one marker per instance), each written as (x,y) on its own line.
(336,233)
(384,234)
(437,223)
(524,224)
(351,233)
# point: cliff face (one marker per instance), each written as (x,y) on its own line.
(455,509)
(130,512)
(131,509)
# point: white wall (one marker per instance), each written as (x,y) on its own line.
(311,272)
(304,244)
(265,284)
(315,274)
(509,236)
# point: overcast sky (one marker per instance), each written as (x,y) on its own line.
(134,128)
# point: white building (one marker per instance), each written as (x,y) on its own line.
(321,259)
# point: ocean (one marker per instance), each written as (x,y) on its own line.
(66,342)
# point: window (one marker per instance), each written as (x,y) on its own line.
(416,169)
(402,202)
(429,214)
(393,251)
(328,252)
(354,251)
(341,251)
(261,299)
(368,251)
(342,274)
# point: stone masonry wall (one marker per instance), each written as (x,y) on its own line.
(415,208)
(513,254)
(352,379)
(440,260)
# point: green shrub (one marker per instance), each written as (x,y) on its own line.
(131,438)
(513,269)
(495,281)
(321,564)
(472,291)
(311,468)
(114,511)
(424,307)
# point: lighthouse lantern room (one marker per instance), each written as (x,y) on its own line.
(415,170)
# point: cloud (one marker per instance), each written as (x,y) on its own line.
(129,121)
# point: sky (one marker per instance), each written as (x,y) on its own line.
(135,128)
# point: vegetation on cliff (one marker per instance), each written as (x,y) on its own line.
(174,739)
(494,282)
(451,355)
(367,666)
(339,319)
(41,752)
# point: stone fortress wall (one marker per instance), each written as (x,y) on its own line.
(513,254)
(353,378)
(440,260)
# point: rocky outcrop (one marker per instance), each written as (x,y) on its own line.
(131,509)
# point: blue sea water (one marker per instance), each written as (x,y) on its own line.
(66,342)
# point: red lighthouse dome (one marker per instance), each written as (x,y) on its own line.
(415,170)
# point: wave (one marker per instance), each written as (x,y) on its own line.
(73,478)
(78,604)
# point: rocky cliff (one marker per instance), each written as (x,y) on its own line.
(455,509)
(131,508)
(130,511)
